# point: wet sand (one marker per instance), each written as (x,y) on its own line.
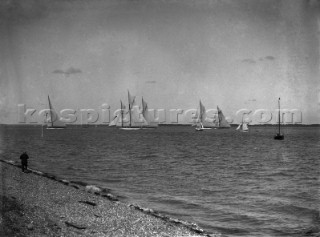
(39,204)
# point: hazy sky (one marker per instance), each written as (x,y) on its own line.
(232,53)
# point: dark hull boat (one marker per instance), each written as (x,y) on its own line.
(279,136)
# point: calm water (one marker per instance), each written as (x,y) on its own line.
(238,184)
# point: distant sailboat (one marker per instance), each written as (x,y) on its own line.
(55,122)
(200,118)
(243,127)
(279,136)
(221,121)
(134,123)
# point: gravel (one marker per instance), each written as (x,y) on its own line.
(39,204)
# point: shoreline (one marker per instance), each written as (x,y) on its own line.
(36,203)
(162,125)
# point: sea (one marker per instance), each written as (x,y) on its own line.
(225,181)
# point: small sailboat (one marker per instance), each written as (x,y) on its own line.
(243,127)
(279,136)
(200,127)
(54,122)
(200,118)
(220,121)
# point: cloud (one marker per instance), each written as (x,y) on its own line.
(68,71)
(248,60)
(58,71)
(269,58)
(151,82)
(253,61)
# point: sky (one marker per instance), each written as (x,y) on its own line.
(235,54)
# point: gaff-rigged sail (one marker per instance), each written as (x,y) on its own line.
(54,121)
(130,103)
(115,120)
(223,123)
(118,118)
(201,118)
(131,100)
(149,120)
(134,120)
(243,127)
(202,112)
(201,115)
(239,127)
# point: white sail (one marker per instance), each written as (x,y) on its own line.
(195,119)
(245,127)
(137,119)
(54,121)
(132,118)
(199,117)
(216,121)
(200,127)
(119,119)
(149,120)
(115,120)
(201,120)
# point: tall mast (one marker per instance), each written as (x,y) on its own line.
(200,115)
(242,122)
(129,102)
(219,119)
(50,110)
(279,113)
(121,114)
(129,115)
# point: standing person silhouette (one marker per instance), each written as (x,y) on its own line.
(24,161)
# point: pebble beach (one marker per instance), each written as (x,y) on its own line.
(34,203)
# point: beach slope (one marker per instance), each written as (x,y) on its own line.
(38,204)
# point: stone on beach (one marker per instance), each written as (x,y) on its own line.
(92,189)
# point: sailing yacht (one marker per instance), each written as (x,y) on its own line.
(279,136)
(54,122)
(135,122)
(200,118)
(243,127)
(220,121)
